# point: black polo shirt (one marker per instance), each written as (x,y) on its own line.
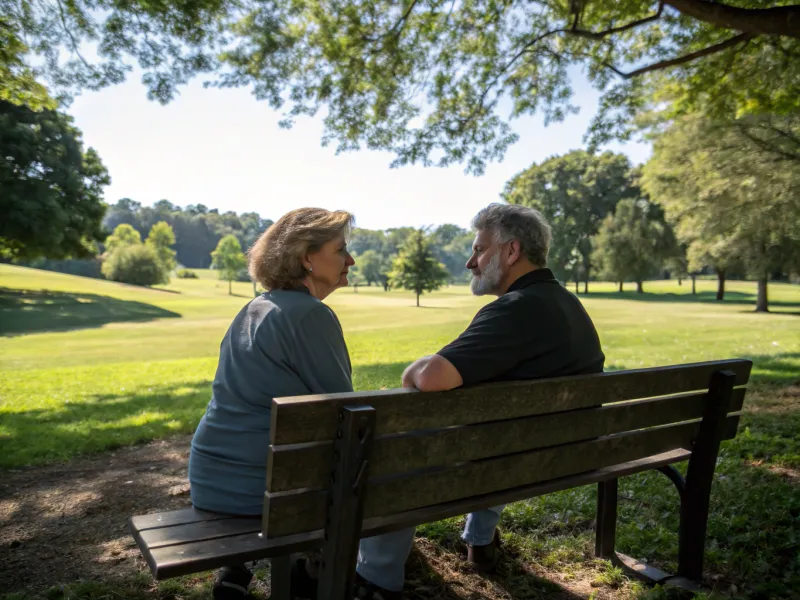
(537,329)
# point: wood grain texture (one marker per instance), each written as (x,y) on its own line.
(313,418)
(193,557)
(294,512)
(298,466)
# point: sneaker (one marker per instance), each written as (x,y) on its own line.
(485,558)
(364,590)
(231,583)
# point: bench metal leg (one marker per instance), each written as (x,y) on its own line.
(696,496)
(606,518)
(280,577)
(345,514)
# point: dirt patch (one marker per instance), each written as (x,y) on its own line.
(69,521)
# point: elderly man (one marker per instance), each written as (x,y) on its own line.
(534,329)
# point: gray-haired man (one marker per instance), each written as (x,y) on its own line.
(534,329)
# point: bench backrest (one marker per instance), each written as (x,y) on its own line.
(438,447)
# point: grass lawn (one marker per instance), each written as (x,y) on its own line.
(89,365)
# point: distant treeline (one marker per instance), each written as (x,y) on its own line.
(198,230)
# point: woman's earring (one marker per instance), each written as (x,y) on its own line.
(310,269)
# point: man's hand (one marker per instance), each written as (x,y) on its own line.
(432,374)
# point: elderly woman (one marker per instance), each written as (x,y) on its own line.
(285,342)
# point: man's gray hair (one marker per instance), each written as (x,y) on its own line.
(514,222)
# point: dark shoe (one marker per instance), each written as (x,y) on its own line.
(303,584)
(231,583)
(364,590)
(484,558)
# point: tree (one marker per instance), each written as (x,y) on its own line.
(123,235)
(574,192)
(369,266)
(633,242)
(51,190)
(136,264)
(228,258)
(161,238)
(732,198)
(415,268)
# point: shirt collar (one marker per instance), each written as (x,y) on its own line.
(537,276)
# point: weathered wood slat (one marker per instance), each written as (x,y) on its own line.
(198,532)
(175,517)
(293,512)
(173,561)
(313,418)
(308,465)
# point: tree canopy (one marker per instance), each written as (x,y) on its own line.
(52,188)
(433,81)
(633,242)
(731,197)
(416,268)
(574,192)
(161,238)
(229,259)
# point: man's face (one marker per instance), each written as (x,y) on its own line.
(485,264)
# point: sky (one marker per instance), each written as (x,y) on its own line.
(224,149)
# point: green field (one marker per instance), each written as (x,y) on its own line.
(128,364)
(90,365)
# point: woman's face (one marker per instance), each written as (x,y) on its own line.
(329,266)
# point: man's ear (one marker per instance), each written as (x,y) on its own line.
(514,252)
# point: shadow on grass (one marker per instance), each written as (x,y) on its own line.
(34,311)
(707,297)
(437,569)
(101,423)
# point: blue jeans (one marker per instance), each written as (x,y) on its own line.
(382,558)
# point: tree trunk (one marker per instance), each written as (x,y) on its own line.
(777,20)
(620,287)
(720,284)
(255,293)
(762,304)
(639,288)
(586,286)
(576,286)
(680,281)
(694,285)
(230,287)
(417,298)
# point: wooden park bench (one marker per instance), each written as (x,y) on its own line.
(347,466)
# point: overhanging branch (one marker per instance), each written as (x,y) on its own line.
(664,64)
(599,35)
(778,20)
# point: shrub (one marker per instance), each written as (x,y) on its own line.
(136,264)
(186,274)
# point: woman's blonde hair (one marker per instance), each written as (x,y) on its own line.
(276,259)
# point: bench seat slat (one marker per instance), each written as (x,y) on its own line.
(292,512)
(308,465)
(173,561)
(313,418)
(183,516)
(198,532)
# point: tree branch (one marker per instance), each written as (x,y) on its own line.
(778,20)
(742,37)
(398,26)
(68,31)
(599,35)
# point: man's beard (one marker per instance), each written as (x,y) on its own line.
(489,279)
